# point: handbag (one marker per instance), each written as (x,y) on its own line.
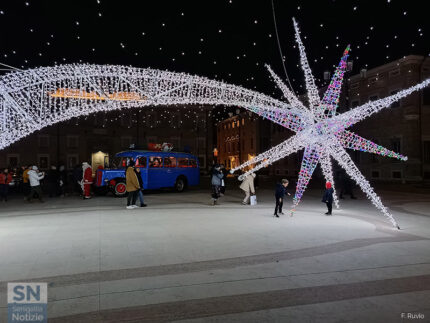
(253,200)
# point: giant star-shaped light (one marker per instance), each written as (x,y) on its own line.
(322,132)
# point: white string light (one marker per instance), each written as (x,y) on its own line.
(33,99)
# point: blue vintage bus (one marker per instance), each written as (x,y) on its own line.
(158,170)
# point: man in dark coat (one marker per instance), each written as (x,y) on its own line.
(328,197)
(77,177)
(52,181)
(281,191)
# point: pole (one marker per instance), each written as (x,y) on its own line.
(58,144)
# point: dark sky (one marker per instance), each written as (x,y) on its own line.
(223,39)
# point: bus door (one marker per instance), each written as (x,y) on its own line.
(155,172)
(141,163)
(170,171)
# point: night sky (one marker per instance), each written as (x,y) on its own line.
(223,39)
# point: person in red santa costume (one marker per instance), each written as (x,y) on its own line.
(87,180)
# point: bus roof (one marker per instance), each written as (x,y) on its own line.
(135,153)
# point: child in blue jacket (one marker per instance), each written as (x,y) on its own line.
(328,197)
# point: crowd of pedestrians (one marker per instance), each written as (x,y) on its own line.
(34,184)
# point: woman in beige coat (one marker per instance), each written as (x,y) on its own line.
(132,185)
(248,187)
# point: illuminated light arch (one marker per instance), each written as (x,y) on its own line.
(33,99)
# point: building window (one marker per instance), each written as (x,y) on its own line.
(151,140)
(426,96)
(373,80)
(126,142)
(202,161)
(355,103)
(356,156)
(354,86)
(394,73)
(252,143)
(126,119)
(43,161)
(72,141)
(397,103)
(201,141)
(396,174)
(151,119)
(243,122)
(395,146)
(176,142)
(12,160)
(426,152)
(375,174)
(43,141)
(375,157)
(72,160)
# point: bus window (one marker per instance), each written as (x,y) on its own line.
(193,163)
(182,162)
(141,162)
(155,162)
(169,162)
(122,162)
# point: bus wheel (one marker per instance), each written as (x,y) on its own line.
(180,184)
(119,189)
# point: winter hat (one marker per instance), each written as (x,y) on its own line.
(35,168)
(328,185)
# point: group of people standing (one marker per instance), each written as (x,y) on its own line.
(29,180)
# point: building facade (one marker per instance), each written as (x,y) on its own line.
(98,137)
(403,127)
(240,138)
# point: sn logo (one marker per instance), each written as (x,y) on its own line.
(27,293)
(21,294)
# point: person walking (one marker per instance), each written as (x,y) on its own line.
(216,181)
(328,197)
(34,177)
(225,173)
(26,182)
(77,179)
(248,187)
(281,191)
(52,181)
(347,186)
(132,185)
(5,179)
(140,192)
(87,180)
(62,180)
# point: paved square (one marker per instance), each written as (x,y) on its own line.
(182,259)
